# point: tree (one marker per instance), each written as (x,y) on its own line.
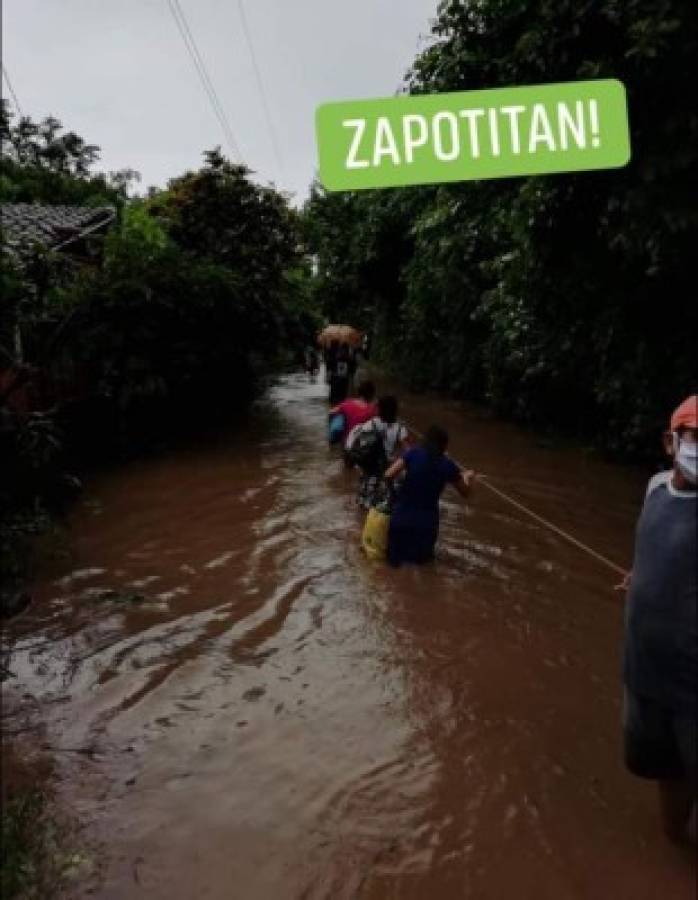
(41,165)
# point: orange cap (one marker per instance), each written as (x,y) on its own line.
(685,415)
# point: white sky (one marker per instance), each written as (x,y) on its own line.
(117,72)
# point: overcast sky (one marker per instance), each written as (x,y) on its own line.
(117,72)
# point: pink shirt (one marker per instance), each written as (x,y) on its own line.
(356,412)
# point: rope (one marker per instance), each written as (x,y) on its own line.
(483,479)
(564,534)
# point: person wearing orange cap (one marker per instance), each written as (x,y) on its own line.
(661,633)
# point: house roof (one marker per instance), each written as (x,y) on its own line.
(26,224)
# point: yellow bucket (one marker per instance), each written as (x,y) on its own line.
(374,538)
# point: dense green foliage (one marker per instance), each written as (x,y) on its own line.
(25,839)
(43,164)
(39,857)
(201,291)
(195,291)
(565,300)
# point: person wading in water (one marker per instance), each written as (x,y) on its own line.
(330,359)
(414,523)
(339,376)
(661,634)
(356,411)
(379,441)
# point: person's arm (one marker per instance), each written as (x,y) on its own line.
(464,482)
(395,468)
(655,482)
(404,443)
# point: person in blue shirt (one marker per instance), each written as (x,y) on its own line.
(661,633)
(414,521)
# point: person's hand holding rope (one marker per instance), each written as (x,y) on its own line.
(624,585)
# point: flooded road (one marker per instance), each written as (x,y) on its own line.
(259,712)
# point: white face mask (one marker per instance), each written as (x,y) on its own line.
(686,456)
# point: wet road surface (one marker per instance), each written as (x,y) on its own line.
(272,716)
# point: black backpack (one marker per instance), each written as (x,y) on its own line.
(368,452)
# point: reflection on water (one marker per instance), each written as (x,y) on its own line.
(272,716)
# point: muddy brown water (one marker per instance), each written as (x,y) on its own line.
(280,718)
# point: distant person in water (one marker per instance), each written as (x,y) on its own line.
(365,346)
(414,523)
(385,438)
(311,361)
(339,376)
(330,358)
(661,633)
(357,410)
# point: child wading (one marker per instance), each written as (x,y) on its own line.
(661,637)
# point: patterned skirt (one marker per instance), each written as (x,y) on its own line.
(374,490)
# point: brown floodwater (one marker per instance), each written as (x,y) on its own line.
(278,717)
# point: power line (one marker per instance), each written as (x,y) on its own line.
(204,77)
(201,67)
(12,90)
(260,86)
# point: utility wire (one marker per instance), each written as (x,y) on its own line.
(199,64)
(12,90)
(260,86)
(201,67)
(204,77)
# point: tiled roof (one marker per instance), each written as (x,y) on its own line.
(27,224)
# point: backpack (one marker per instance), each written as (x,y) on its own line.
(367,451)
